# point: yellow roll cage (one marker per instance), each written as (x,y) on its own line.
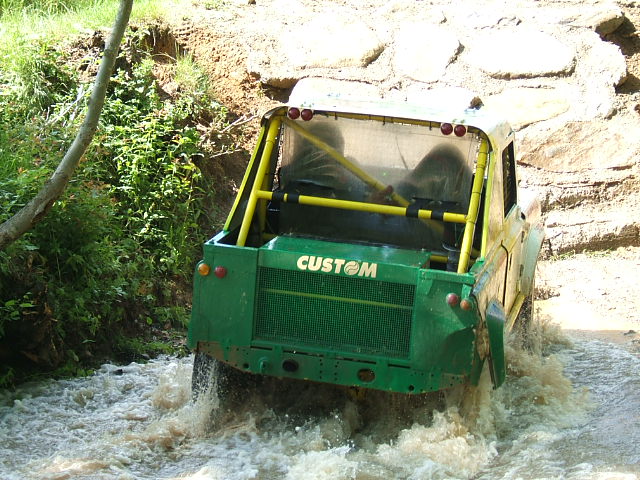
(261,181)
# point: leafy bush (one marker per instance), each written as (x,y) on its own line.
(148,169)
(116,252)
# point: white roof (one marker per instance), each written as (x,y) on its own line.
(442,106)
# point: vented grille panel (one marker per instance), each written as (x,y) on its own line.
(331,311)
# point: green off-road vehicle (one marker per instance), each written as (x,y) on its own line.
(372,244)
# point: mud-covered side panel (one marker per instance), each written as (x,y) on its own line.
(496,320)
(443,335)
(223,305)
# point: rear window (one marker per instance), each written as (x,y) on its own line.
(364,160)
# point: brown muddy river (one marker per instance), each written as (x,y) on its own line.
(573,413)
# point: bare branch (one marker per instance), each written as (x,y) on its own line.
(240,121)
(38,207)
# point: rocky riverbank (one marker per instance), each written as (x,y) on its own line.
(564,73)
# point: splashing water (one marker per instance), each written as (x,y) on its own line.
(572,414)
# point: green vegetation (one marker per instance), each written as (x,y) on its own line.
(110,265)
(57,19)
(213,4)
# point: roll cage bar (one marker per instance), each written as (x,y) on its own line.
(405,208)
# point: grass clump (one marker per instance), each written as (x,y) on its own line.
(24,23)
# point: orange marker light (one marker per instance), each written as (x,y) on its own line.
(204,269)
(466,304)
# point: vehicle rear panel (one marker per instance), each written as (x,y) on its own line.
(340,313)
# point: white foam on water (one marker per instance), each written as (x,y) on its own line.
(329,464)
(443,449)
(570,413)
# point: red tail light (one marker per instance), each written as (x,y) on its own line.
(220,271)
(452,299)
(294,113)
(460,130)
(446,128)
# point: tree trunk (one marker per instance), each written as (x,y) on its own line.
(38,207)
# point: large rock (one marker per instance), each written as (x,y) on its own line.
(593,147)
(324,42)
(424,61)
(600,69)
(523,106)
(603,62)
(589,228)
(587,175)
(602,18)
(520,53)
(330,43)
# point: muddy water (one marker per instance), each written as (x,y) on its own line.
(571,413)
